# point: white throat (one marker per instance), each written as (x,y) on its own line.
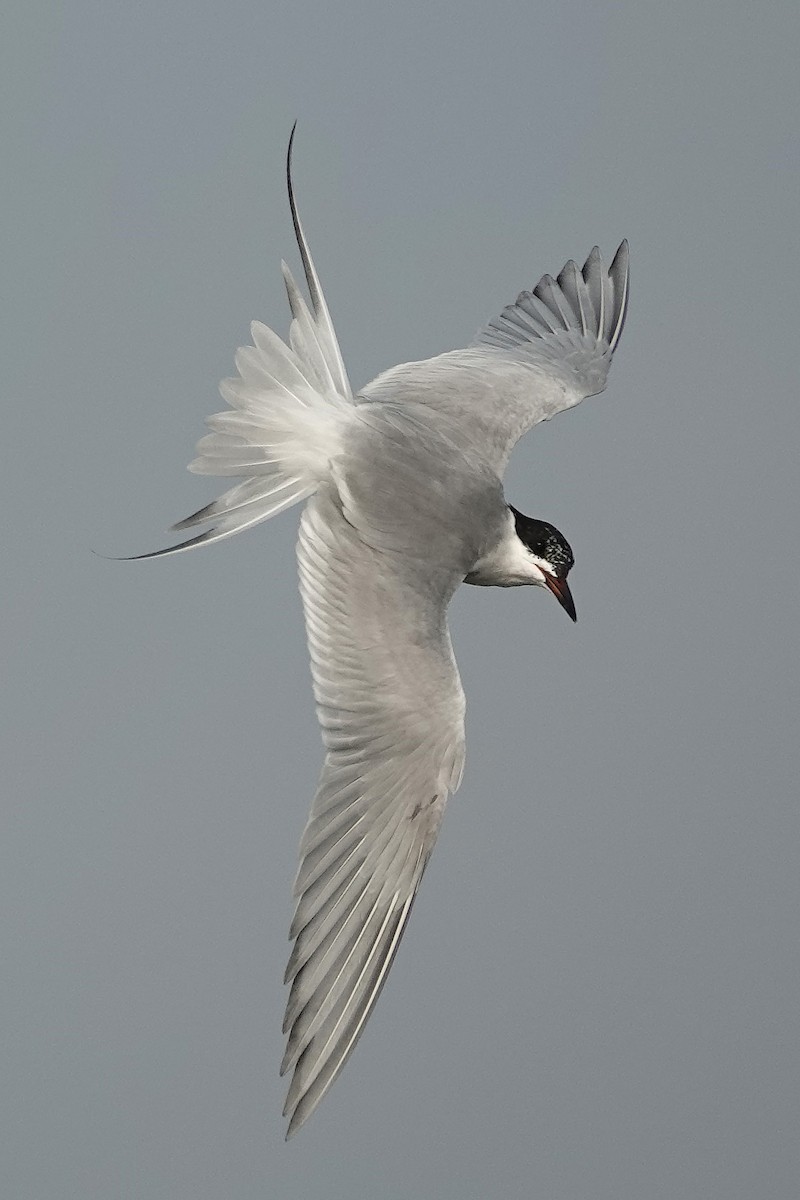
(509,563)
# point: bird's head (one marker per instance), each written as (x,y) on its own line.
(549,557)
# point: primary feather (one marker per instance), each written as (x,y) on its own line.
(403,483)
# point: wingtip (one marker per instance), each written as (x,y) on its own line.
(619,273)
(622,254)
(296,1122)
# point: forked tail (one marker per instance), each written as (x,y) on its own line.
(288,407)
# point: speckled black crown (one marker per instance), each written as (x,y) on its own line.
(545,542)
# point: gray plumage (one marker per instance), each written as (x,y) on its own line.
(404,494)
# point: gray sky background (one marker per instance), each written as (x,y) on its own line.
(597,996)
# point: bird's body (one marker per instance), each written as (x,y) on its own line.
(403,484)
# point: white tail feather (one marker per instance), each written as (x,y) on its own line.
(289,406)
(278,438)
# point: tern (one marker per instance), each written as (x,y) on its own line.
(403,492)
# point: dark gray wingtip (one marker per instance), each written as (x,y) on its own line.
(294,1127)
(620,275)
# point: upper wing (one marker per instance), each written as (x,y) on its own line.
(542,354)
(391,709)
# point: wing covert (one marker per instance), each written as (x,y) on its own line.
(541,355)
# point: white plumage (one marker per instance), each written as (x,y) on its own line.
(405,498)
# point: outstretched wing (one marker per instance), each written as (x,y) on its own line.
(543,354)
(391,708)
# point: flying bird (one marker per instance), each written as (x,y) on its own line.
(403,492)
